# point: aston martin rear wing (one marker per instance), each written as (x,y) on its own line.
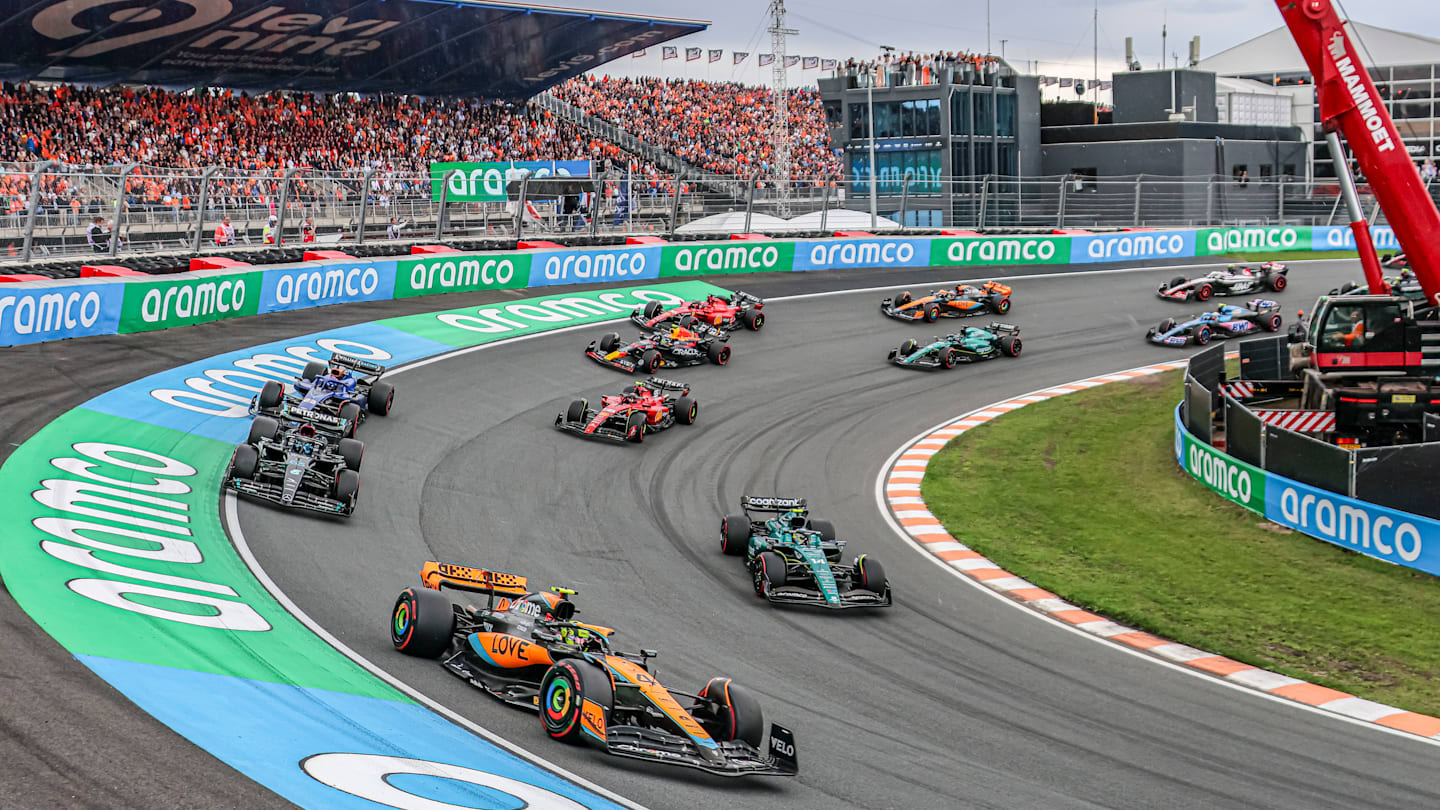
(751,503)
(437,575)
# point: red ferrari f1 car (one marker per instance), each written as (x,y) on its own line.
(739,309)
(641,408)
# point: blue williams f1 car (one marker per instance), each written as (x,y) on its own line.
(969,345)
(1223,322)
(333,397)
(795,559)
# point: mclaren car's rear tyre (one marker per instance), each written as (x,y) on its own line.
(353,451)
(576,411)
(686,409)
(949,358)
(932,313)
(609,341)
(350,412)
(651,361)
(718,353)
(728,712)
(272,393)
(1176,282)
(382,396)
(245,461)
(903,298)
(908,348)
(870,575)
(769,572)
(263,428)
(563,692)
(347,487)
(1272,324)
(1010,346)
(422,623)
(652,309)
(734,535)
(1203,292)
(313,369)
(1278,282)
(635,427)
(753,319)
(1202,335)
(999,304)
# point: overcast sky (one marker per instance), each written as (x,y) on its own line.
(1049,37)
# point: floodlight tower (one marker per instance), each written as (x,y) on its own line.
(781,147)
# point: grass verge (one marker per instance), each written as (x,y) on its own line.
(1293,256)
(1081,495)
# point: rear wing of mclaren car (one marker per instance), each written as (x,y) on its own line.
(437,575)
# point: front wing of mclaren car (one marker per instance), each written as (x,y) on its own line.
(888,307)
(800,595)
(723,759)
(618,359)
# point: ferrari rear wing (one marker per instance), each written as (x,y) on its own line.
(437,575)
(770,504)
(352,362)
(662,384)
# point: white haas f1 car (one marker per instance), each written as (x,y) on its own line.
(1237,279)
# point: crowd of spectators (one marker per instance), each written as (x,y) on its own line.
(721,127)
(905,69)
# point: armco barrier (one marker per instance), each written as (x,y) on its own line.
(1398,537)
(32,312)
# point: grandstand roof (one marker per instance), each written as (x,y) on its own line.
(487,48)
(1275,52)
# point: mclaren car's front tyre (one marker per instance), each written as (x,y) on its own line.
(903,298)
(768,572)
(734,535)
(728,712)
(932,313)
(245,461)
(563,692)
(382,396)
(870,575)
(422,623)
(272,393)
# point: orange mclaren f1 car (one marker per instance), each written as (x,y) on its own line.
(962,301)
(526,648)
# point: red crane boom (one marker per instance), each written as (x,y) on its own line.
(1350,105)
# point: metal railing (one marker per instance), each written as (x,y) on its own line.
(144,209)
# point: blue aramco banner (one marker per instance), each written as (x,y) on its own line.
(832,254)
(1398,537)
(552,267)
(318,285)
(1119,247)
(56,312)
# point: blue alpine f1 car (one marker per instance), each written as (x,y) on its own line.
(795,559)
(1224,321)
(334,396)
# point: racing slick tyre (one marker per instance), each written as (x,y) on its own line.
(908,347)
(272,394)
(351,413)
(651,361)
(718,353)
(576,411)
(652,309)
(1176,282)
(1278,282)
(1203,292)
(245,461)
(422,623)
(753,319)
(382,396)
(1010,346)
(769,572)
(635,427)
(347,487)
(1202,336)
(313,369)
(563,692)
(262,428)
(734,534)
(903,298)
(999,305)
(1272,324)
(950,358)
(609,341)
(869,575)
(686,409)
(932,313)
(353,451)
(727,711)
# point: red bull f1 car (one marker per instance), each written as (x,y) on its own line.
(334,396)
(1223,322)
(527,649)
(666,347)
(729,313)
(794,559)
(298,466)
(647,407)
(1237,279)
(961,302)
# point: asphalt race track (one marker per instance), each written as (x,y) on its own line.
(950,699)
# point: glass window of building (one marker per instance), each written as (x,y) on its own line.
(887,120)
(907,119)
(960,112)
(834,112)
(932,116)
(859,124)
(1005,115)
(960,160)
(984,114)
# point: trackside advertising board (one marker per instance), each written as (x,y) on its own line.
(485,181)
(726,257)
(992,250)
(458,272)
(35,314)
(168,302)
(1119,247)
(1387,534)
(834,254)
(318,285)
(1217,241)
(553,267)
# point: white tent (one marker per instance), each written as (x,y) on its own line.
(734,222)
(842,219)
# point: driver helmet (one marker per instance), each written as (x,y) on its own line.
(797,518)
(337,371)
